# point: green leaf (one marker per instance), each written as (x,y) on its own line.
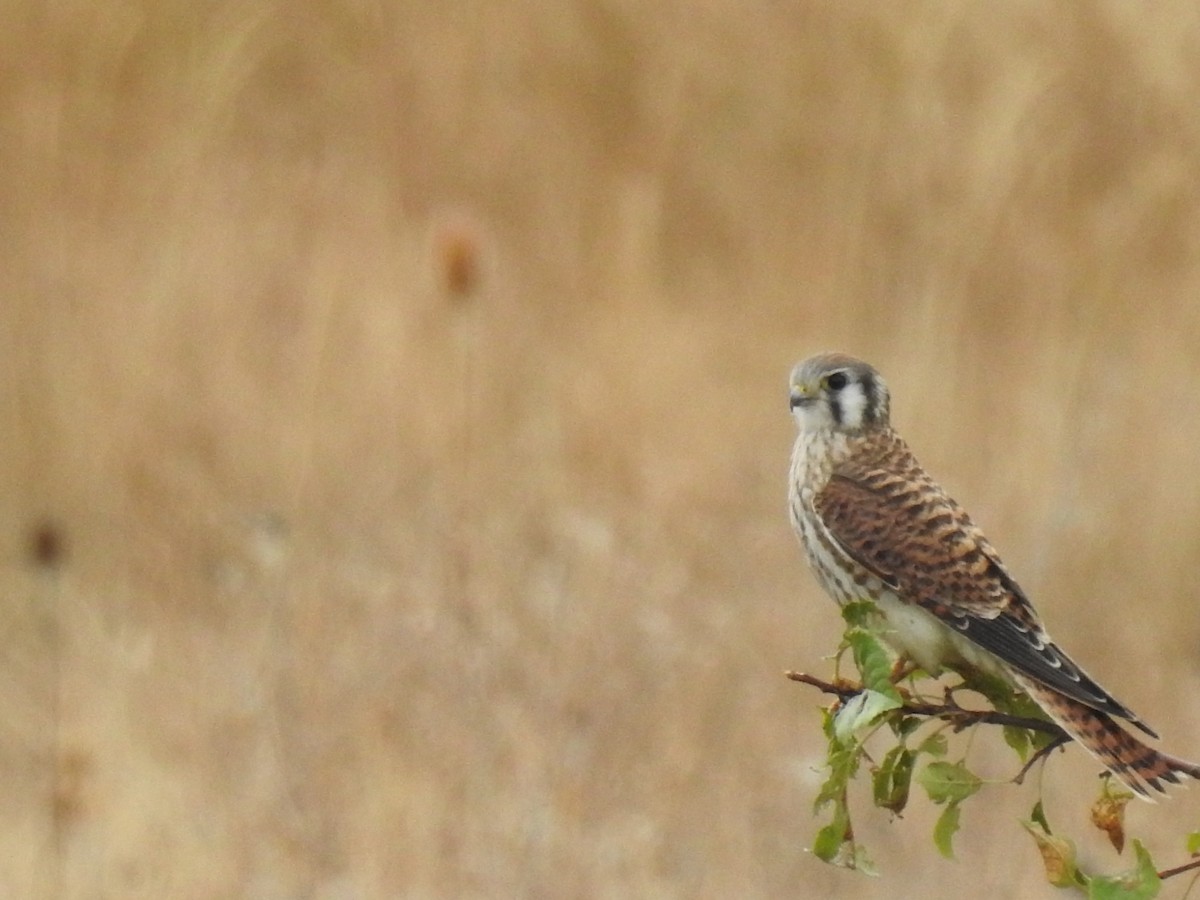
(873,662)
(1038,739)
(1038,817)
(1018,739)
(1193,843)
(903,726)
(1058,856)
(1022,705)
(934,745)
(949,782)
(861,614)
(998,691)
(1139,883)
(891,781)
(827,722)
(943,831)
(842,762)
(829,840)
(1007,698)
(835,844)
(860,712)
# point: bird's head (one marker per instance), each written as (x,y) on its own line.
(835,392)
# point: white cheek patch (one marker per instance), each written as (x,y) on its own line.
(853,401)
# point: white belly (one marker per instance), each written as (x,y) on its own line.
(929,642)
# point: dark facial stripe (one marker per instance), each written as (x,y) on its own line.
(835,409)
(871,410)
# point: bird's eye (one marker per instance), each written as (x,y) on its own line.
(836,381)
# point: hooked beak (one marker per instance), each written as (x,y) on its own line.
(799,397)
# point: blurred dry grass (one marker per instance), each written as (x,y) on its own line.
(393,491)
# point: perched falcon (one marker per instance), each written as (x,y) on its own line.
(875,526)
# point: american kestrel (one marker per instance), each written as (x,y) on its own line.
(875,526)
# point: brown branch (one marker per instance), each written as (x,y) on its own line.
(1058,741)
(1179,870)
(950,712)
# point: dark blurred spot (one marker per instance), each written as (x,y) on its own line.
(73,772)
(457,257)
(47,545)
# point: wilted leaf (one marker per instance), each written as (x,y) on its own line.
(1139,883)
(1108,814)
(943,831)
(1058,856)
(948,782)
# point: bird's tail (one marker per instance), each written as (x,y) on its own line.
(1138,765)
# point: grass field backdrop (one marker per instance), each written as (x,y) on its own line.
(394,401)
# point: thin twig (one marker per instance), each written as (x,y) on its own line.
(1179,870)
(1059,741)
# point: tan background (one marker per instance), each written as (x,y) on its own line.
(395,430)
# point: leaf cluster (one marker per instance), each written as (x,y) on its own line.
(909,733)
